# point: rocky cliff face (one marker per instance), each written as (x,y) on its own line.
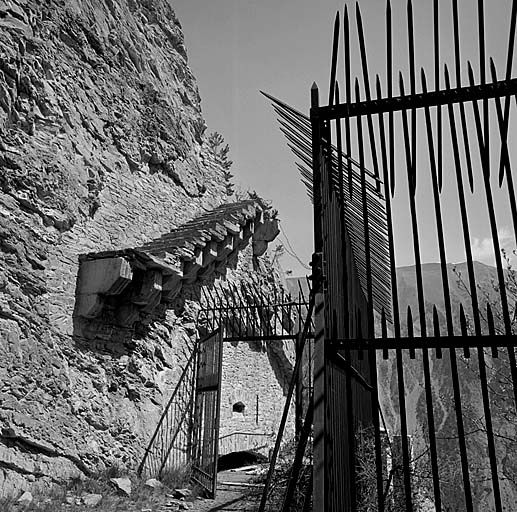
(101,148)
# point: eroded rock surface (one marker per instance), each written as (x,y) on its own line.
(102,147)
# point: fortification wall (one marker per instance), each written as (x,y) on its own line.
(102,147)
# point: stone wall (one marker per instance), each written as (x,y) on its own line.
(255,377)
(102,147)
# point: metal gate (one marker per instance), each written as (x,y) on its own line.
(443,150)
(206,412)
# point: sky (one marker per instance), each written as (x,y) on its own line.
(238,47)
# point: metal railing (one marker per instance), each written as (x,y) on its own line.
(171,443)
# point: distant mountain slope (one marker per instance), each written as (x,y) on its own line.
(459,291)
(444,406)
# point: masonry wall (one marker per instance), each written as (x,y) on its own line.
(102,147)
(255,376)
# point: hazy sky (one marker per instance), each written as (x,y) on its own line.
(238,47)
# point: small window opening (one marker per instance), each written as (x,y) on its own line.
(239,407)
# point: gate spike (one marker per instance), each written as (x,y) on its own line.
(504,145)
(366,80)
(348,94)
(509,63)
(485,157)
(436,41)
(457,62)
(412,83)
(505,155)
(463,212)
(335,44)
(389,80)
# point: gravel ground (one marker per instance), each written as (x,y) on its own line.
(233,493)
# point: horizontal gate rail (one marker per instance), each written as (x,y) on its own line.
(498,89)
(426,343)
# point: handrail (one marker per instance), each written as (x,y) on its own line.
(247,434)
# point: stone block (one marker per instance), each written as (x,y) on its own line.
(225,247)
(266,230)
(191,267)
(244,235)
(209,253)
(207,271)
(171,286)
(106,276)
(149,293)
(127,314)
(89,305)
(97,278)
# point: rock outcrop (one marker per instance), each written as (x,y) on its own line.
(102,148)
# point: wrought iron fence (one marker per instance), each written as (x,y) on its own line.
(428,171)
(169,449)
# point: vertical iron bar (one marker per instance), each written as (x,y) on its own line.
(319,469)
(391,128)
(298,460)
(412,77)
(438,213)
(489,430)
(463,212)
(436,38)
(285,413)
(503,129)
(366,80)
(485,159)
(505,158)
(334,59)
(454,365)
(389,220)
(348,94)
(369,284)
(411,174)
(403,430)
(342,216)
(463,119)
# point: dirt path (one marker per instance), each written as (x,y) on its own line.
(232,495)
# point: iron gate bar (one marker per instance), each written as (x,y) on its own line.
(505,160)
(207,411)
(436,51)
(466,145)
(473,294)
(298,459)
(369,232)
(419,100)
(430,342)
(288,399)
(164,416)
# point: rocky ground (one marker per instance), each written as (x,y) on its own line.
(235,492)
